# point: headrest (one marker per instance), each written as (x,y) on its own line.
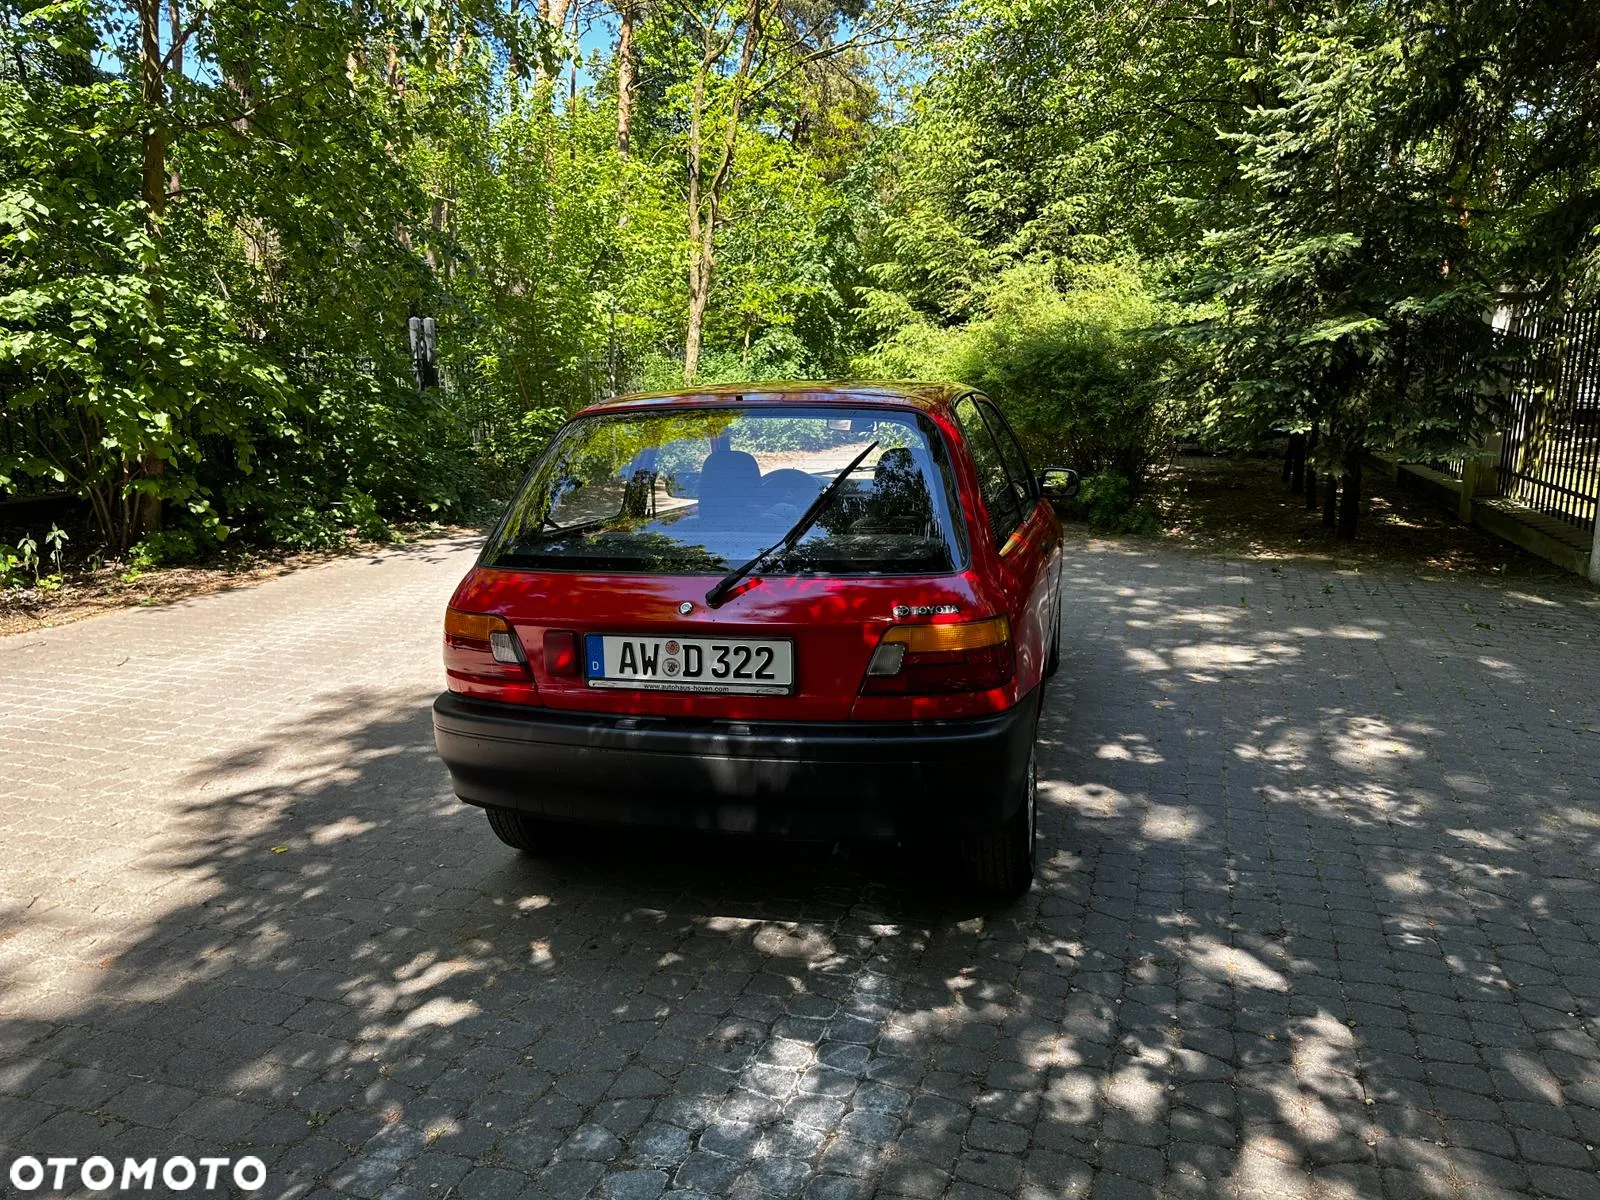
(729,482)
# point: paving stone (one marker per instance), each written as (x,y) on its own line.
(838,1187)
(998,1171)
(711,1173)
(1272,886)
(987,1134)
(909,1178)
(634,1185)
(777,1176)
(868,1126)
(1564,1182)
(659,1143)
(594,1143)
(574,1178)
(1539,1147)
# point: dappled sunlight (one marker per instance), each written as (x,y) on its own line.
(1221,656)
(1171,823)
(1146,660)
(1353,633)
(1367,743)
(1293,930)
(1232,965)
(1131,749)
(1210,618)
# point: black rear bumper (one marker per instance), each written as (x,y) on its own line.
(809,780)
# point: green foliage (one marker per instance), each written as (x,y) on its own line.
(167,548)
(1076,362)
(24,567)
(1351,292)
(1116,222)
(1334,195)
(1106,500)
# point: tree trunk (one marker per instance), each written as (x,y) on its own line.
(624,75)
(153,192)
(514,64)
(1294,462)
(356,60)
(697,304)
(436,223)
(699,295)
(572,71)
(703,224)
(1330,500)
(1350,502)
(152,93)
(553,14)
(175,22)
(1311,470)
(558,14)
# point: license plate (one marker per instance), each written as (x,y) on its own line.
(679,664)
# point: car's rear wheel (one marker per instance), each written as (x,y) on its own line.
(1053,662)
(1001,861)
(523,832)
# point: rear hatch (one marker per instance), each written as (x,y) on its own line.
(605,560)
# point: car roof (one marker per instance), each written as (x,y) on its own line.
(901,393)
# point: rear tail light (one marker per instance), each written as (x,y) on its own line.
(480,646)
(973,656)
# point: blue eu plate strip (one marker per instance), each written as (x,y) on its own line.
(594,649)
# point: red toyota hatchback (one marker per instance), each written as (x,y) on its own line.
(806,610)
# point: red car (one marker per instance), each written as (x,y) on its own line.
(807,610)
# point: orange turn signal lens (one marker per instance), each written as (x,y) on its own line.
(938,639)
(473,632)
(472,627)
(972,656)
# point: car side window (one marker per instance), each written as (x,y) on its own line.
(994,481)
(1011,453)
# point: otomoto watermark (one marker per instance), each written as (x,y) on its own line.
(99,1174)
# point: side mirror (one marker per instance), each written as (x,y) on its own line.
(1058,483)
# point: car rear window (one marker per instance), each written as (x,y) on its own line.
(701,491)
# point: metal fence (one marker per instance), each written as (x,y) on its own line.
(1453,467)
(1550,456)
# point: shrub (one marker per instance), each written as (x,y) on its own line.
(316,524)
(1107,501)
(1079,367)
(169,548)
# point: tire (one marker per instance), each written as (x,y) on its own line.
(1000,862)
(523,832)
(1052,664)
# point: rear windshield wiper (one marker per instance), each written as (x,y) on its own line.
(783,545)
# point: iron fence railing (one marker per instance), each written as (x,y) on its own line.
(1550,455)
(1453,467)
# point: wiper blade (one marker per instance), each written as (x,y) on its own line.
(783,545)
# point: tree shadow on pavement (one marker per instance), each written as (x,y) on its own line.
(1317,915)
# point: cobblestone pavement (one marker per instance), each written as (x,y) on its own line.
(1319,916)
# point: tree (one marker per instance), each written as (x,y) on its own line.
(1398,179)
(747,51)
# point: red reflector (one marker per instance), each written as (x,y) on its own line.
(560,652)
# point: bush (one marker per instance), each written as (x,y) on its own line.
(11,573)
(1107,502)
(313,524)
(1079,368)
(170,548)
